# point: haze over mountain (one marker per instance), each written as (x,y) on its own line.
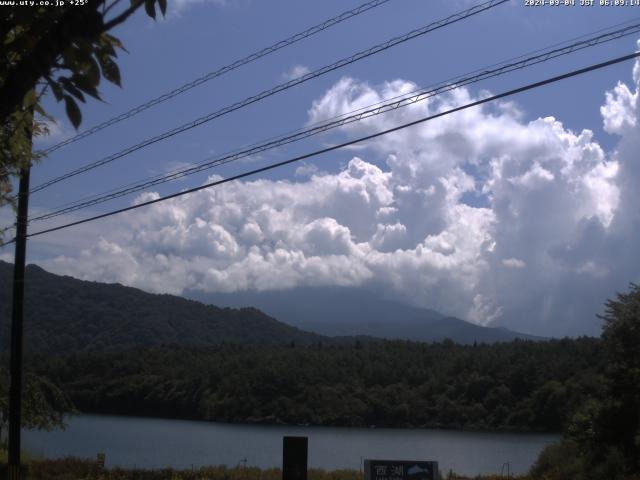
(335,311)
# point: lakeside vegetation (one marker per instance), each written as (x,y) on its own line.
(83,469)
(525,386)
(71,468)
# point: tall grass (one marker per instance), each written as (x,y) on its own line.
(71,468)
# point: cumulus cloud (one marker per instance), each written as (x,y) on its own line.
(620,108)
(306,169)
(481,214)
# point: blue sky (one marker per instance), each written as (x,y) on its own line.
(471,259)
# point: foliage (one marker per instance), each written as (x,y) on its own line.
(603,437)
(43,404)
(509,386)
(65,314)
(74,468)
(560,460)
(620,417)
(615,424)
(65,49)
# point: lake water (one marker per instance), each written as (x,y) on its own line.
(156,443)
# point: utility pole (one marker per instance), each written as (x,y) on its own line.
(17,314)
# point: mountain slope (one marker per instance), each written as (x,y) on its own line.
(64,314)
(351,311)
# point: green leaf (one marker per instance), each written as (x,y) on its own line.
(163,6)
(30,98)
(73,112)
(110,69)
(114,41)
(83,52)
(92,71)
(56,89)
(42,112)
(71,88)
(150,7)
(83,83)
(69,55)
(106,48)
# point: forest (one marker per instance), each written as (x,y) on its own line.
(586,388)
(521,385)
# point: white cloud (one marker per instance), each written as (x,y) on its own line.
(306,169)
(177,7)
(513,263)
(295,72)
(480,214)
(619,109)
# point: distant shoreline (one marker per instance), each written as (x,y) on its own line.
(281,424)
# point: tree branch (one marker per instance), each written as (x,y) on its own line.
(122,17)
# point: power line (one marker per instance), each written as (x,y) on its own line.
(272,166)
(221,71)
(365,112)
(181,172)
(279,88)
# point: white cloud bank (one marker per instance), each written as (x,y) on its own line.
(478,214)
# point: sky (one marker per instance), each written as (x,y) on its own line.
(519,213)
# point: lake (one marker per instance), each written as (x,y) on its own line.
(156,443)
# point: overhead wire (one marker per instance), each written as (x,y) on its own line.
(272,166)
(456,17)
(365,112)
(222,71)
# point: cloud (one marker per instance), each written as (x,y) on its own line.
(513,263)
(295,72)
(177,7)
(481,214)
(306,169)
(618,111)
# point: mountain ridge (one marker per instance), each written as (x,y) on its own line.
(352,311)
(63,313)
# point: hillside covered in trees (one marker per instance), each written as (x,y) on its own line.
(510,386)
(64,314)
(67,314)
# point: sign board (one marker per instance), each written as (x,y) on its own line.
(400,470)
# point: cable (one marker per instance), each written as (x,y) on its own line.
(279,88)
(221,71)
(365,112)
(272,166)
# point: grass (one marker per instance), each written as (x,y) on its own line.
(71,468)
(26,457)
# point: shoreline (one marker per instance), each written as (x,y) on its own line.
(250,423)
